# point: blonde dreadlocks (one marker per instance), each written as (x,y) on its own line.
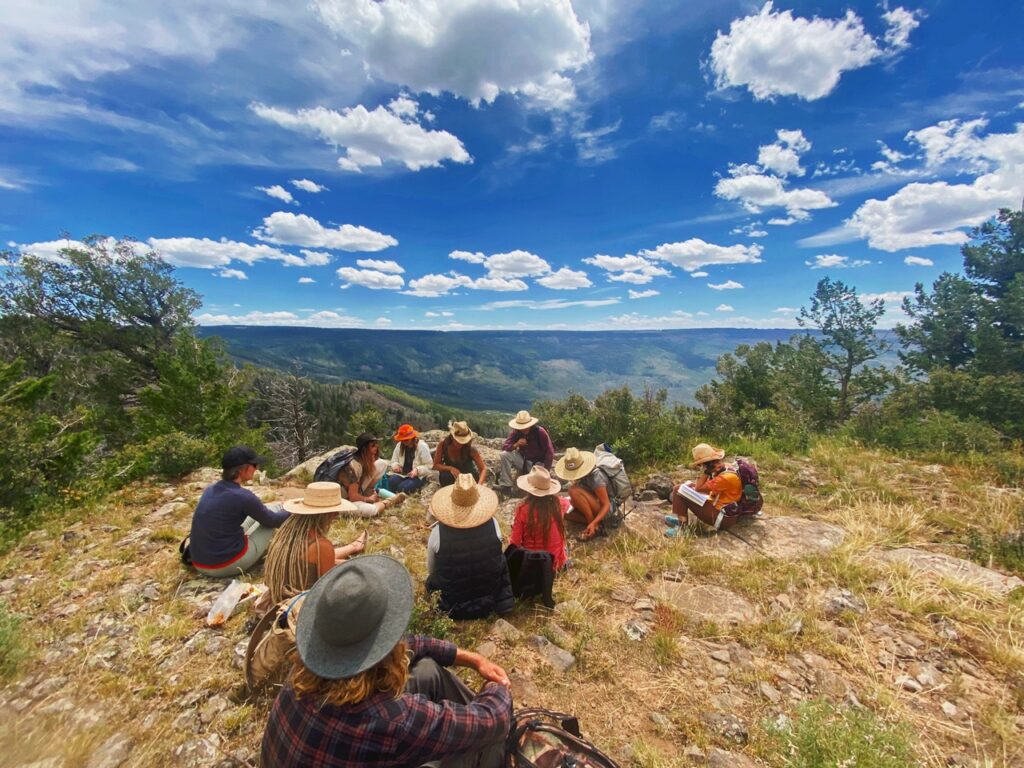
(288,568)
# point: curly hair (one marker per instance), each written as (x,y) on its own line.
(389,675)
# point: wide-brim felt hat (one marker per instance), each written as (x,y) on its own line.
(354,616)
(460,432)
(465,503)
(575,464)
(703,453)
(539,482)
(523,420)
(318,499)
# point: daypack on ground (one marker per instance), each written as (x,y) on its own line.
(540,738)
(332,465)
(620,489)
(751,501)
(272,639)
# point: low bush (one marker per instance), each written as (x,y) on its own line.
(12,649)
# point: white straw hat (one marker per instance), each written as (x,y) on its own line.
(460,432)
(523,421)
(575,464)
(703,453)
(538,482)
(465,504)
(319,499)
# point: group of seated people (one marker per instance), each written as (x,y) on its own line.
(361,692)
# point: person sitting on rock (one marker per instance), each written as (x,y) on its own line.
(358,479)
(588,491)
(717,486)
(538,523)
(464,553)
(360,694)
(301,552)
(411,462)
(527,444)
(231,527)
(456,455)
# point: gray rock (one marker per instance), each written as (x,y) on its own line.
(524,690)
(908,683)
(706,602)
(926,674)
(949,709)
(502,630)
(721,655)
(488,649)
(726,725)
(782,538)
(209,711)
(623,595)
(719,758)
(944,566)
(659,720)
(636,630)
(558,658)
(837,601)
(770,692)
(649,495)
(198,753)
(111,753)
(557,635)
(661,485)
(693,754)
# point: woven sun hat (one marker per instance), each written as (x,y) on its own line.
(405,432)
(354,616)
(703,453)
(575,464)
(539,482)
(523,421)
(465,504)
(319,499)
(460,432)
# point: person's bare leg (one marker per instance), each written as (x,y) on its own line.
(583,509)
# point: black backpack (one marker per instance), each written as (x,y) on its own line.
(332,465)
(540,738)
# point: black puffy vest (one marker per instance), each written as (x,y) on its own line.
(471,573)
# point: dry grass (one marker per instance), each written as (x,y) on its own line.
(165,679)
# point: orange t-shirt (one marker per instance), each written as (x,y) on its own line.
(724,488)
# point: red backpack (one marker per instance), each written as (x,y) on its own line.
(751,501)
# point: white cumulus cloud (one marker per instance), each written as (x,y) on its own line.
(724,308)
(371,278)
(372,137)
(918,261)
(235,274)
(474,49)
(307,186)
(278,192)
(774,53)
(324,319)
(316,258)
(566,279)
(474,257)
(694,253)
(298,229)
(630,268)
(835,261)
(643,294)
(208,254)
(381,265)
(432,286)
(756,191)
(728,285)
(306,280)
(783,157)
(516,264)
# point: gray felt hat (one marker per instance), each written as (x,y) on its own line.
(353,616)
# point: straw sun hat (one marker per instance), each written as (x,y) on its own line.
(575,464)
(523,421)
(539,482)
(703,453)
(319,499)
(464,504)
(460,432)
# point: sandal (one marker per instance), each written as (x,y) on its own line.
(359,542)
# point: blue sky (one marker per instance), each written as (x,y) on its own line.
(514,163)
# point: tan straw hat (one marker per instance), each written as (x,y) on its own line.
(575,464)
(460,432)
(539,482)
(523,420)
(703,453)
(464,504)
(319,499)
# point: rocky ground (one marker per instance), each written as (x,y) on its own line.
(672,651)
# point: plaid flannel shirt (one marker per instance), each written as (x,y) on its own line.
(381,730)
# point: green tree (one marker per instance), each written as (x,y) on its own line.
(847,327)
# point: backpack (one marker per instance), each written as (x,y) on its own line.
(185,551)
(751,501)
(266,655)
(540,738)
(332,465)
(620,489)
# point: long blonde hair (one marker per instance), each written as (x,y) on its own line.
(388,675)
(286,572)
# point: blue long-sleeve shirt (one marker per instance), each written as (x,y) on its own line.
(217,539)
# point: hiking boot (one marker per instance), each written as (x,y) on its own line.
(673,521)
(394,501)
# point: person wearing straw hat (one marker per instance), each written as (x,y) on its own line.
(716,487)
(362,693)
(588,490)
(538,523)
(464,553)
(527,444)
(411,462)
(231,527)
(301,552)
(456,455)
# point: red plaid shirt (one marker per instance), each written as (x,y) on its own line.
(381,730)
